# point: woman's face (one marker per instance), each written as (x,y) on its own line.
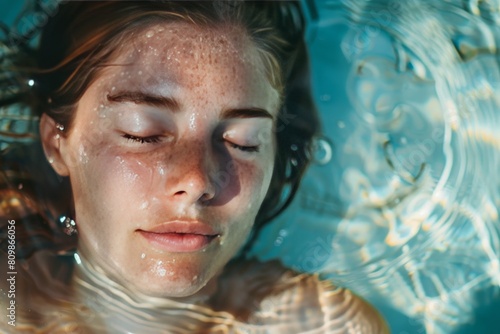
(170,156)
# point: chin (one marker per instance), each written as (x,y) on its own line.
(171,287)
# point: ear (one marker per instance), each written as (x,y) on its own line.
(51,138)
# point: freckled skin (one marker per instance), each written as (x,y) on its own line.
(192,172)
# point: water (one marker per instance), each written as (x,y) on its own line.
(406,210)
(68,298)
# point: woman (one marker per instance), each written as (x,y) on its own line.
(177,127)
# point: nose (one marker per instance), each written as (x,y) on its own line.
(190,180)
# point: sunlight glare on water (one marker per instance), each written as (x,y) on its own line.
(406,210)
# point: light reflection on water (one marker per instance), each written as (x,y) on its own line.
(406,211)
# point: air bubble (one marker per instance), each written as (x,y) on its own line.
(323,151)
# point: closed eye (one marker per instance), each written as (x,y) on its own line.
(142,140)
(250,149)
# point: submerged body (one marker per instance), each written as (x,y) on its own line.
(57,296)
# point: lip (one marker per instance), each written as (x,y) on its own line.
(180,236)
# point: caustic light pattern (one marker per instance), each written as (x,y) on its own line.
(406,208)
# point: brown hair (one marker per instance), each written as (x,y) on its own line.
(80,40)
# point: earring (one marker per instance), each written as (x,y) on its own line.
(69,225)
(60,127)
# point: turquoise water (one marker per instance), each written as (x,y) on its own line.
(402,203)
(402,206)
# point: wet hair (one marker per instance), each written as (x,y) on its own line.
(81,39)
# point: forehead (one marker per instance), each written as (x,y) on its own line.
(183,54)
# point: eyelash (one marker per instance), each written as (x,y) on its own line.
(143,140)
(156,139)
(248,149)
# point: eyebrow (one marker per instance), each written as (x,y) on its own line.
(172,104)
(246,113)
(145,98)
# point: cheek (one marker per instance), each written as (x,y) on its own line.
(105,180)
(254,180)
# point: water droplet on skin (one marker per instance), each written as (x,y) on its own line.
(113,88)
(143,256)
(195,278)
(150,34)
(341,124)
(192,123)
(140,72)
(84,158)
(159,269)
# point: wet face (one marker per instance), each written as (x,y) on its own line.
(170,156)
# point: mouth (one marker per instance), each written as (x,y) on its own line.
(180,237)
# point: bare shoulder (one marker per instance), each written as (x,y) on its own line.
(268,294)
